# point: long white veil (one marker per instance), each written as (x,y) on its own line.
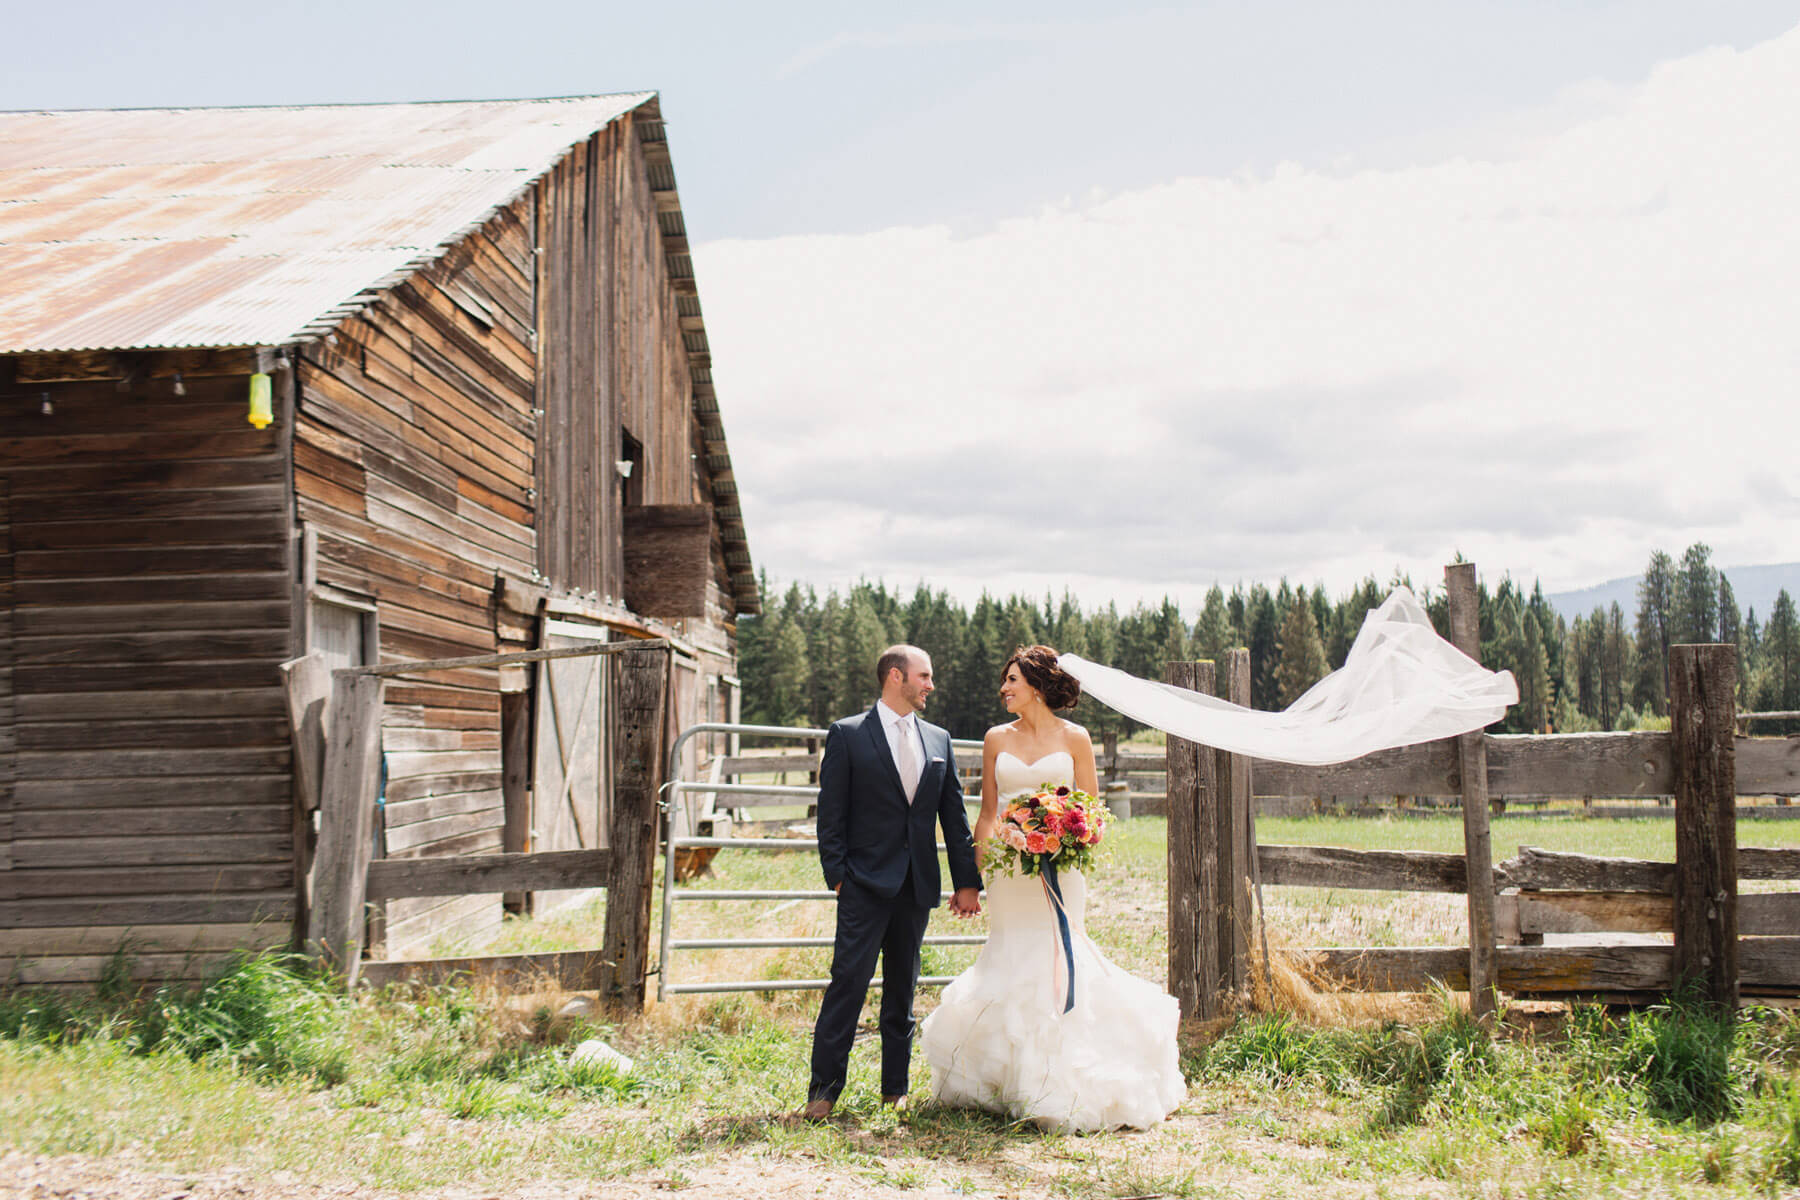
(1400,684)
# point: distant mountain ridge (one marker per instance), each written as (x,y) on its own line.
(1754,587)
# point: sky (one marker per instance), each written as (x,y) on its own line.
(1131,299)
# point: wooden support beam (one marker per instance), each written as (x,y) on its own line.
(1702,716)
(1236,837)
(1560,870)
(1762,914)
(1478,847)
(1193,873)
(1767,962)
(569,970)
(478,874)
(1375,870)
(636,818)
(346,821)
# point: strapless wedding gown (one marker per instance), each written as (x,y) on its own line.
(1000,1039)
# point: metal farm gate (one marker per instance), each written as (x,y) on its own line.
(722,791)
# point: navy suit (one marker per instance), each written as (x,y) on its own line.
(883,850)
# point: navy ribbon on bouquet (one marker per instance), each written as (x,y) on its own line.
(1054,891)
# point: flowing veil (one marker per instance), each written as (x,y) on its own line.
(1400,684)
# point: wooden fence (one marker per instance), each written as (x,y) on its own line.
(1725,945)
(337,734)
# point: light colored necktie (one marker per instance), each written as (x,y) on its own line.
(908,760)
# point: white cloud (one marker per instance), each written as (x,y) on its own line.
(1552,362)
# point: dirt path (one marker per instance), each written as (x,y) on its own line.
(1201,1153)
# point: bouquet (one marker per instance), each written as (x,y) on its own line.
(1056,823)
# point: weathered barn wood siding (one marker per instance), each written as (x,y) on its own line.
(148,608)
(414,456)
(612,357)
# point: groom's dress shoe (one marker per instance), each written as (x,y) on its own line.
(816,1110)
(898,1103)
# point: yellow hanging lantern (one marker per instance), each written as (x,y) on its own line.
(262,409)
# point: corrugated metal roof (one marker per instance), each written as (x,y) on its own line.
(154,228)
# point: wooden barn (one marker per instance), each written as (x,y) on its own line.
(385,382)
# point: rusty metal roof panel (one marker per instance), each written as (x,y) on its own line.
(246,226)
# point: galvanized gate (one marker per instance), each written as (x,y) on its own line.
(729,793)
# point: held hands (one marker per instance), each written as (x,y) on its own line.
(966,902)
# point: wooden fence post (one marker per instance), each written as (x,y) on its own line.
(1236,837)
(346,821)
(643,683)
(1478,844)
(1193,871)
(1702,720)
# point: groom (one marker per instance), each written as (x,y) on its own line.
(886,780)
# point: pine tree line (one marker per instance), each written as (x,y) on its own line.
(809,660)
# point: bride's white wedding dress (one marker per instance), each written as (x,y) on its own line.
(1000,1039)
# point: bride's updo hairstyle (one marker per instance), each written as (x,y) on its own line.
(1038,665)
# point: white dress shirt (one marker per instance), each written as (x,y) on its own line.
(897,726)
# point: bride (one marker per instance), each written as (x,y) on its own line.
(1001,1039)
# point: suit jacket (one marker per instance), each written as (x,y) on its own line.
(869,833)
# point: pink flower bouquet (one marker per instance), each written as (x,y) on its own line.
(1056,823)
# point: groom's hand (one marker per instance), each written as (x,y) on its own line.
(966,902)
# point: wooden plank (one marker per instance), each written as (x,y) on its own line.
(45,971)
(131,792)
(189,614)
(1759,913)
(174,503)
(489,873)
(413,925)
(119,852)
(1425,770)
(1768,766)
(430,808)
(104,939)
(570,970)
(251,879)
(262,585)
(421,786)
(1236,839)
(1557,870)
(113,563)
(1185,853)
(113,764)
(347,805)
(308,693)
(520,656)
(1542,970)
(419,836)
(183,732)
(104,647)
(77,825)
(641,693)
(1478,848)
(1702,718)
(215,908)
(1377,870)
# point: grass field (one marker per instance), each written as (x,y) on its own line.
(271,1084)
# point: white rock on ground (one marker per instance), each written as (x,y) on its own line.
(596,1051)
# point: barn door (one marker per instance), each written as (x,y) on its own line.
(569,773)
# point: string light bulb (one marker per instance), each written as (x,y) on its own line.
(180,387)
(45,407)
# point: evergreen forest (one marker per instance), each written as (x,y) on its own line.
(809,659)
